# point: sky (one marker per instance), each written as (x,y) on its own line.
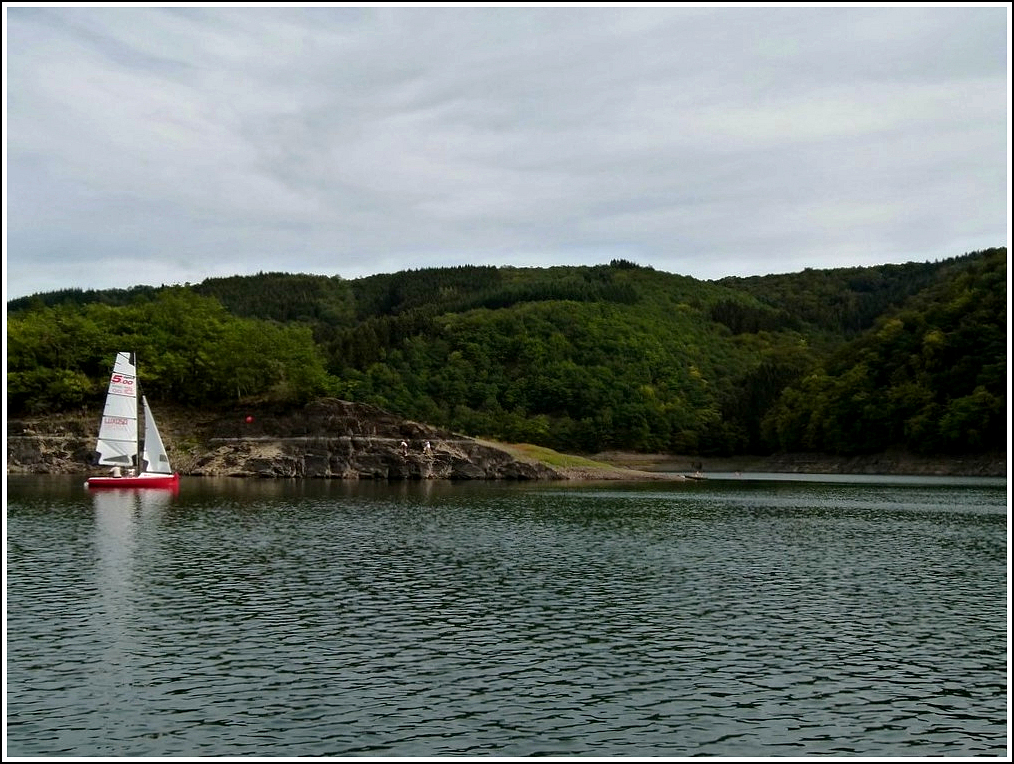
(167,144)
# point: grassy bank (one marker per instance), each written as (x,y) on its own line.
(580,467)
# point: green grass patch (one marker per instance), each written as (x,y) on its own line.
(550,457)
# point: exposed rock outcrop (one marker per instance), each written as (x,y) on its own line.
(369,457)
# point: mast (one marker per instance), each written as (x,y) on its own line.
(137,430)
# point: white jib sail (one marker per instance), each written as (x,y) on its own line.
(117,444)
(155,457)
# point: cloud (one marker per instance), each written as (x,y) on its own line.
(169,145)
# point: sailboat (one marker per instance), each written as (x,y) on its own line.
(118,444)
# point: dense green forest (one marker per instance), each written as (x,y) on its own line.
(846,361)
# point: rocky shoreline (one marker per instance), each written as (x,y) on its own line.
(326,439)
(335,439)
(886,463)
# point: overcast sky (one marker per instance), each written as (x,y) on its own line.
(165,145)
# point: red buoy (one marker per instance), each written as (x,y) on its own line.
(249,419)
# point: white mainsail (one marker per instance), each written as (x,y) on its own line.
(155,457)
(117,444)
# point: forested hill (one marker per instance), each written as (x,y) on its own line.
(846,361)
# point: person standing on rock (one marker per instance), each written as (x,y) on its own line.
(404,448)
(428,449)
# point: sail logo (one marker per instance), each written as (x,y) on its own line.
(116,421)
(121,384)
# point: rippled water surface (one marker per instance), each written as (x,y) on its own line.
(733,617)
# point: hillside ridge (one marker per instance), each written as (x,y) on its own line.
(579,359)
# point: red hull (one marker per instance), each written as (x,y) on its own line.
(137,481)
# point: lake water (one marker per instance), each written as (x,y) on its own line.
(740,616)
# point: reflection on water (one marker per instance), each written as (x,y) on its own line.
(722,618)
